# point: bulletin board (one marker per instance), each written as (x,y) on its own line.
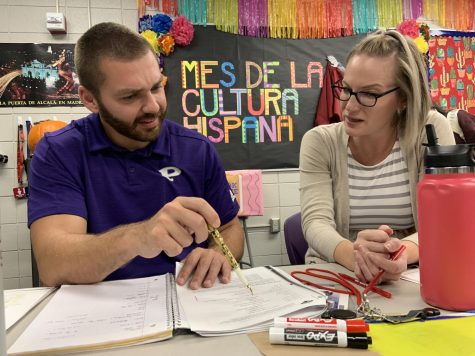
(451,70)
(254,98)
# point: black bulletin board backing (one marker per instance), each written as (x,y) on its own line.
(254,98)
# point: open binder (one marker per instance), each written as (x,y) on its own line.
(138,311)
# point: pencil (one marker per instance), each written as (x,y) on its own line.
(229,256)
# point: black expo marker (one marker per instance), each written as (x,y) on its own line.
(313,337)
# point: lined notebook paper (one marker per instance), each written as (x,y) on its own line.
(136,311)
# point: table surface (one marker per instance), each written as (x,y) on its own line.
(406,296)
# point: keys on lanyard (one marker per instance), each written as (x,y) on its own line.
(374,314)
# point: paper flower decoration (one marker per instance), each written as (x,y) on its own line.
(166,44)
(161,23)
(145,23)
(421,44)
(409,28)
(418,32)
(182,31)
(424,31)
(151,37)
(162,32)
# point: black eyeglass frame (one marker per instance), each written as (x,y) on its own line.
(375,96)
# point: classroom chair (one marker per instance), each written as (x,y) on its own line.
(294,240)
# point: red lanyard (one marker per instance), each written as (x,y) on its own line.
(339,278)
(20,167)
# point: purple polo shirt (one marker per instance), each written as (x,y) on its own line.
(77,170)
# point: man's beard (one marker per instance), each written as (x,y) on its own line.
(131,131)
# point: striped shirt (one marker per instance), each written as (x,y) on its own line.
(380,194)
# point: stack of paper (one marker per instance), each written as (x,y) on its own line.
(231,309)
(18,302)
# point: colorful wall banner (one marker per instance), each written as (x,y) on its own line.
(37,75)
(254,98)
(451,71)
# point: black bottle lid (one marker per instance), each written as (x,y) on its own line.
(447,156)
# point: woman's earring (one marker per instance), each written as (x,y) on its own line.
(400,111)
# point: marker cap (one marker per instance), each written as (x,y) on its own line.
(359,340)
(357,326)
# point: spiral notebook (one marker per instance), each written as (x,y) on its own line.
(138,311)
(103,315)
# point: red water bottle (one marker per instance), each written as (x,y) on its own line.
(446,214)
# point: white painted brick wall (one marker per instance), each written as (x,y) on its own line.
(23,21)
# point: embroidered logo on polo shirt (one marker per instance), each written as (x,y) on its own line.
(233,197)
(170,172)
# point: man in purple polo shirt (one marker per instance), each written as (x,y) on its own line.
(124,193)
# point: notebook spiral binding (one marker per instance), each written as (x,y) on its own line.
(170,319)
(174,310)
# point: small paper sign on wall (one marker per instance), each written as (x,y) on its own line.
(247,188)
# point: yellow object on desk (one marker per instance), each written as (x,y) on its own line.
(451,336)
(229,256)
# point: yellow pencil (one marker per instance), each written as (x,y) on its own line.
(229,256)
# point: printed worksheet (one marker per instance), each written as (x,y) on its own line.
(231,308)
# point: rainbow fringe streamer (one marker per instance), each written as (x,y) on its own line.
(210,10)
(226,15)
(389,13)
(431,10)
(194,10)
(253,18)
(365,17)
(313,18)
(282,20)
(459,14)
(412,9)
(170,7)
(310,15)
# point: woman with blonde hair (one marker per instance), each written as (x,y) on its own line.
(358,177)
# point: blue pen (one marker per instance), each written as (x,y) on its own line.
(452,315)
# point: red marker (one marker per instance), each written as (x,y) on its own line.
(349,326)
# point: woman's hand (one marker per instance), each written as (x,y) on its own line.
(372,250)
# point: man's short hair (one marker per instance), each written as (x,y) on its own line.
(105,40)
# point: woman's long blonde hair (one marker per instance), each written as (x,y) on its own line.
(411,78)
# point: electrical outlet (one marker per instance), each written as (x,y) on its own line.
(274,225)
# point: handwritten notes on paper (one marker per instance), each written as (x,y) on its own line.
(137,311)
(107,314)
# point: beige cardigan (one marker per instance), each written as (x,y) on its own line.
(324,189)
